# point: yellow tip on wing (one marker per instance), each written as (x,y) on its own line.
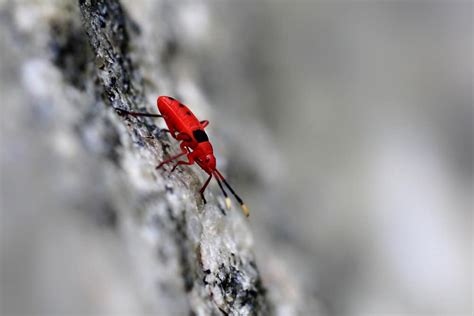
(245,209)
(227,203)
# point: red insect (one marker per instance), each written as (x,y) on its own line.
(186,128)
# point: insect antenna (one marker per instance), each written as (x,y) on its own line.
(132,113)
(242,204)
(227,199)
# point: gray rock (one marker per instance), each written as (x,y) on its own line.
(90,227)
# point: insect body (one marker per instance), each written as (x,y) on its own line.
(186,128)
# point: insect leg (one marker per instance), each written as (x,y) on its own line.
(182,162)
(201,191)
(132,113)
(170,160)
(204,124)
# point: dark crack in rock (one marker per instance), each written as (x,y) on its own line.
(107,25)
(71,51)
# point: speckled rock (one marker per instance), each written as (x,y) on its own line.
(208,250)
(153,246)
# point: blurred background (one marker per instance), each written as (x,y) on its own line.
(369,106)
(348,127)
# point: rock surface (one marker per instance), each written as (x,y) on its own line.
(107,233)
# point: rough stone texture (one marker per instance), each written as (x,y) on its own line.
(109,234)
(212,251)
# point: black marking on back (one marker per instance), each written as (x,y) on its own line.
(171,98)
(188,113)
(181,105)
(200,136)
